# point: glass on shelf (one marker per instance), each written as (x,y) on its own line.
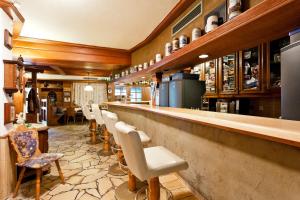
(229,73)
(210,71)
(250,69)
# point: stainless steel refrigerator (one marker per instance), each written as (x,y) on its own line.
(290,81)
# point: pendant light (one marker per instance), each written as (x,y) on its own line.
(88,87)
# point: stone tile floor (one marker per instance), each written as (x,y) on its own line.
(85,172)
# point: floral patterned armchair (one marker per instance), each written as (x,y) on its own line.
(26,144)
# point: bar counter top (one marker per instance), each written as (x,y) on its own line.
(276,130)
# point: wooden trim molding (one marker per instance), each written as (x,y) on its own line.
(15,15)
(181,6)
(67,55)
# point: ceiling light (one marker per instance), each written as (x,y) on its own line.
(143,77)
(88,87)
(203,56)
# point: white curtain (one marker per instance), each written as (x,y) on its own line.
(97,96)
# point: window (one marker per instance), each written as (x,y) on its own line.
(120,91)
(136,94)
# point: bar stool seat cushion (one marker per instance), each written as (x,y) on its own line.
(161,161)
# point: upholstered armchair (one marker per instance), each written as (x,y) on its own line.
(26,145)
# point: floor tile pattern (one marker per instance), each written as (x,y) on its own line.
(85,172)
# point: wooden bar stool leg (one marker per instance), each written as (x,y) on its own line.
(106,143)
(120,155)
(131,182)
(93,133)
(19,181)
(60,172)
(106,150)
(154,189)
(38,183)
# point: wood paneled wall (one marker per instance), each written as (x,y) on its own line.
(157,45)
(7,169)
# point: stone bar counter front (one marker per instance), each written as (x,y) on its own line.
(230,157)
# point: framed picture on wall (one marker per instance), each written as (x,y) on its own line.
(7,39)
(67,99)
(67,94)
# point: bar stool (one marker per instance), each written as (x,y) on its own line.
(104,135)
(127,190)
(116,169)
(147,163)
(92,124)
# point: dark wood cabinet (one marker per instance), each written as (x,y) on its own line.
(228,74)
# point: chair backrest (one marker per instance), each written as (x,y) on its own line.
(25,143)
(86,112)
(110,120)
(97,114)
(133,150)
(70,112)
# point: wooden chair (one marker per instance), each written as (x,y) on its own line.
(25,142)
(71,114)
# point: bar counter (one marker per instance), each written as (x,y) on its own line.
(283,131)
(230,156)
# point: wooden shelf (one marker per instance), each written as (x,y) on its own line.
(266,21)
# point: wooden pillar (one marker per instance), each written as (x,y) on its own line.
(34,80)
(154,189)
(32,117)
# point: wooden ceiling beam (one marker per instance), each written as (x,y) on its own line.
(31,48)
(80,72)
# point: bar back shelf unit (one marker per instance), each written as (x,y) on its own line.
(264,22)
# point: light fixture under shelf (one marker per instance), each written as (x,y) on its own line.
(203,56)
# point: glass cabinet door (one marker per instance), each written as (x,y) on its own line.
(210,73)
(250,73)
(274,61)
(229,76)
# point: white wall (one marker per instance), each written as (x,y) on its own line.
(5,54)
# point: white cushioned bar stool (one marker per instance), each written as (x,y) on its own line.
(92,123)
(110,120)
(104,135)
(127,190)
(148,163)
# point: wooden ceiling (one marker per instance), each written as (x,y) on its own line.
(76,59)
